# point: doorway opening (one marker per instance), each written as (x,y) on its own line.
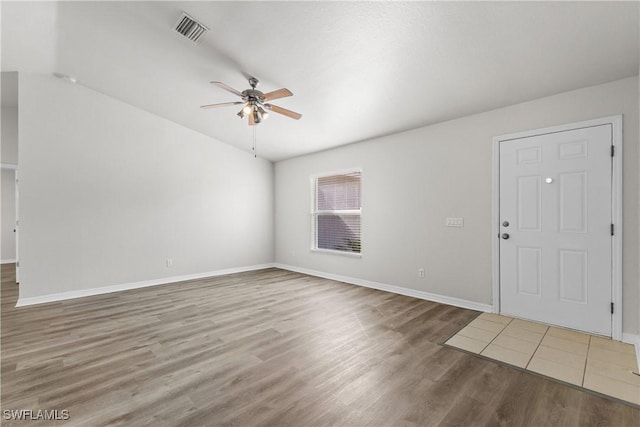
(557,226)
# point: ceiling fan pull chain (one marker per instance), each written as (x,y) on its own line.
(255,153)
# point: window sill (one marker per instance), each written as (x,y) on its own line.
(341,253)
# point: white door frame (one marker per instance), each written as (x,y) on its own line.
(616,209)
(11,166)
(17,222)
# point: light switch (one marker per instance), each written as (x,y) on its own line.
(455,222)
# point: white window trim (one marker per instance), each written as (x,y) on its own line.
(312,183)
(340,253)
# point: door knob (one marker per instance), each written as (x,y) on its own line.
(505,236)
(505,224)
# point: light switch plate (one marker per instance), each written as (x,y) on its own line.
(455,222)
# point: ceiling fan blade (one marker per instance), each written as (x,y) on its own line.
(252,122)
(277,94)
(228,88)
(224,104)
(283,111)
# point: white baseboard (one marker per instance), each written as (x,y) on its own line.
(135,285)
(7,261)
(472,305)
(635,340)
(443,299)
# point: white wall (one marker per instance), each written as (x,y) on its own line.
(109,192)
(412,181)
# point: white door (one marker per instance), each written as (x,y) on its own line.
(555,228)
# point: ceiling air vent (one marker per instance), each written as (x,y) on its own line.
(190,28)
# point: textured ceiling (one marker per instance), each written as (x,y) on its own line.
(358,70)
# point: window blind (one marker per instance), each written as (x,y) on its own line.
(337,212)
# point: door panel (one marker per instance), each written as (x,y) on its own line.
(573,276)
(529,270)
(529,203)
(573,202)
(555,194)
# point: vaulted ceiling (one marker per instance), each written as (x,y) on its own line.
(358,70)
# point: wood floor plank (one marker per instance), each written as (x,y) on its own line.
(268,348)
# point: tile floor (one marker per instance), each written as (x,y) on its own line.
(596,363)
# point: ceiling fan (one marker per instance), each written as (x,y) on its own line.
(255,102)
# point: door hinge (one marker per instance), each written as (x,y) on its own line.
(611,308)
(613,150)
(612,230)
(18,264)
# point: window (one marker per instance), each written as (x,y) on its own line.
(336,213)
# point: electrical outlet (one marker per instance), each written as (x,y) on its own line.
(421,273)
(169,262)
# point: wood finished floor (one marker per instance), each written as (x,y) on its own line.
(268,348)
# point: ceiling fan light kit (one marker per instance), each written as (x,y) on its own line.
(255,101)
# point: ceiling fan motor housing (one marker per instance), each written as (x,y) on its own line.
(252,95)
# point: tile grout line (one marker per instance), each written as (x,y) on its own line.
(497,335)
(457,334)
(586,359)
(537,347)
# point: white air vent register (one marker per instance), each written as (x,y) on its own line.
(190,28)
